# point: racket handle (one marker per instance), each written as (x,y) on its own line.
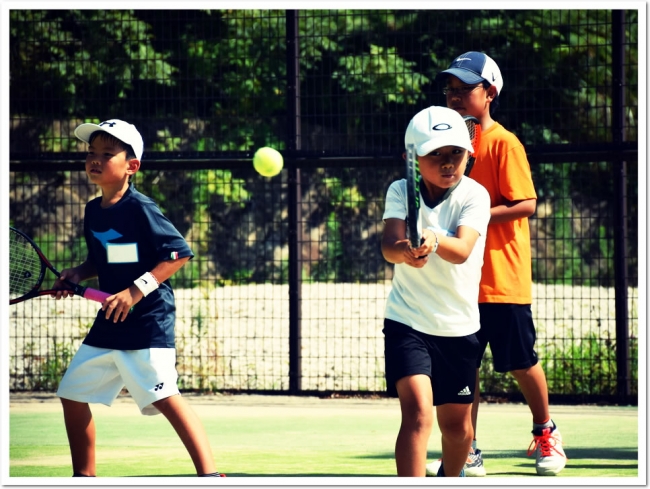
(96,295)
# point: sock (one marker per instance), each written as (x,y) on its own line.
(213,474)
(547,424)
(441,472)
(474,445)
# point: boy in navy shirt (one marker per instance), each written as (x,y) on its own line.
(133,249)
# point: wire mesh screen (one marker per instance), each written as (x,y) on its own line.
(233,297)
(333,90)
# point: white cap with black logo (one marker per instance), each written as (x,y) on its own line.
(125,132)
(435,127)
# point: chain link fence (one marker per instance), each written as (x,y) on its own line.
(287,289)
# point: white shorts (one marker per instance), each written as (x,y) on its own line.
(97,375)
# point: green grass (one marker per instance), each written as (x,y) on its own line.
(256,436)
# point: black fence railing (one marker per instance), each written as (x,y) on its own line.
(287,288)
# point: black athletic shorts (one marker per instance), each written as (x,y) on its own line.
(510,332)
(450,362)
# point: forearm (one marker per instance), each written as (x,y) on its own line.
(165,269)
(453,249)
(393,251)
(84,271)
(144,284)
(512,211)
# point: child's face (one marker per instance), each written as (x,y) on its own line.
(106,162)
(443,167)
(467,99)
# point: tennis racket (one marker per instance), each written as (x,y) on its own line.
(412,196)
(474,128)
(27,267)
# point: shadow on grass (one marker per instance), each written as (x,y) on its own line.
(590,453)
(244,474)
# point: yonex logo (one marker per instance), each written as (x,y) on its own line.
(110,124)
(441,127)
(159,386)
(465,392)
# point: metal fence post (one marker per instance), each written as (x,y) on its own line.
(295,215)
(619,170)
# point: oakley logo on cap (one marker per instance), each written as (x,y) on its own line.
(441,127)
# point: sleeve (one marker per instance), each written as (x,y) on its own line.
(476,211)
(516,180)
(396,207)
(167,241)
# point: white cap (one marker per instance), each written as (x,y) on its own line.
(125,132)
(436,127)
(474,67)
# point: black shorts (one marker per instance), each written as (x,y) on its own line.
(450,362)
(510,332)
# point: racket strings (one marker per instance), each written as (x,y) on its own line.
(24,266)
(474,130)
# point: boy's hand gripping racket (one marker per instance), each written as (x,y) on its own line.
(474,128)
(412,196)
(27,265)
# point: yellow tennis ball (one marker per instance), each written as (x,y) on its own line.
(268,162)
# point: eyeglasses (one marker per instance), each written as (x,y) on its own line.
(462,91)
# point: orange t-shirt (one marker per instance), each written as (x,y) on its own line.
(502,168)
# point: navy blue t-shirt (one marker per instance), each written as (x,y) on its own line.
(124,241)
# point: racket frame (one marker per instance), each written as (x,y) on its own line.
(80,290)
(474,129)
(412,196)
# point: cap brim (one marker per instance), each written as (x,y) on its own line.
(84,131)
(429,146)
(466,76)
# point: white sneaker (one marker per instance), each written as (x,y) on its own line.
(473,466)
(547,445)
(433,467)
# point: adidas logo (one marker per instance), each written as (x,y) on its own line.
(159,386)
(465,392)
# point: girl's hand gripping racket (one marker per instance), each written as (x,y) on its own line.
(412,196)
(27,265)
(474,128)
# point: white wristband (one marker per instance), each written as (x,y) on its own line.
(147,283)
(435,246)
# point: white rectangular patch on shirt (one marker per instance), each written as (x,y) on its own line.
(122,253)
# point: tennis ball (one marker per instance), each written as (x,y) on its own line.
(267,161)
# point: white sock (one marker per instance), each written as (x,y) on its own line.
(548,424)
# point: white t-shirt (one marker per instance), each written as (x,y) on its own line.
(441,298)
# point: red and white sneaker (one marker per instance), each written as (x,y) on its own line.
(547,446)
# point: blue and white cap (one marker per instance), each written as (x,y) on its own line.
(435,127)
(125,132)
(474,67)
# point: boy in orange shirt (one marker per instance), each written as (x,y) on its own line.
(473,83)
